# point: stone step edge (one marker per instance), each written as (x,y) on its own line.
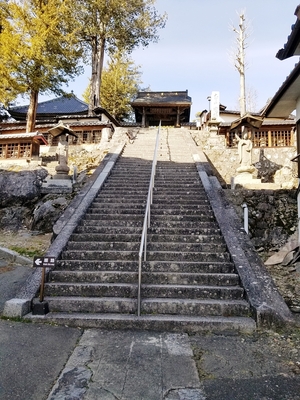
(154,322)
(147,300)
(144,286)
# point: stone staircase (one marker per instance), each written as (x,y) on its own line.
(188,280)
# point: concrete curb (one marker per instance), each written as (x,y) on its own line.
(14,257)
(62,231)
(268,306)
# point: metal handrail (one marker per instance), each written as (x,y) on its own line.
(146,225)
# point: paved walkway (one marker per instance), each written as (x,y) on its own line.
(44,362)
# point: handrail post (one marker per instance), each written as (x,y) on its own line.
(139,288)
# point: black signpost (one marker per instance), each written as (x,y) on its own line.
(41,307)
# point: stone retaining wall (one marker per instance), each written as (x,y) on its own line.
(272,213)
(273,165)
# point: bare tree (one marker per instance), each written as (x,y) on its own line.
(239,58)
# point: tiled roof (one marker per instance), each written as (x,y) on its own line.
(151,98)
(285,99)
(292,46)
(61,105)
(31,135)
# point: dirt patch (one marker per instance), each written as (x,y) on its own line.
(25,242)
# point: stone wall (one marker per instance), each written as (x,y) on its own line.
(272,213)
(273,165)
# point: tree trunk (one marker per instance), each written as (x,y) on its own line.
(31,113)
(242,66)
(98,47)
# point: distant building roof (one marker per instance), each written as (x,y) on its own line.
(171,108)
(160,98)
(64,105)
(31,135)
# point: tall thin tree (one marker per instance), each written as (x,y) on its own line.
(239,59)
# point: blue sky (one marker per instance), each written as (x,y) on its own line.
(194,47)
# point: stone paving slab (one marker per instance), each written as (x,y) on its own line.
(130,365)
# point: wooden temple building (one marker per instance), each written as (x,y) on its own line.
(68,110)
(171,108)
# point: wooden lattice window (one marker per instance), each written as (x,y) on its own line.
(55,141)
(25,150)
(85,136)
(96,136)
(12,150)
(265,138)
(2,150)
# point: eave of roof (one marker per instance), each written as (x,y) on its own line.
(159,99)
(30,135)
(100,110)
(285,100)
(292,46)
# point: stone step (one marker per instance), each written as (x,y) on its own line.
(136,237)
(148,291)
(96,265)
(152,247)
(96,229)
(117,206)
(91,289)
(100,246)
(102,216)
(94,276)
(195,307)
(100,255)
(138,210)
(178,184)
(178,197)
(160,200)
(182,218)
(203,228)
(108,237)
(186,247)
(182,211)
(121,197)
(162,278)
(197,224)
(180,207)
(148,266)
(157,322)
(187,256)
(189,266)
(192,292)
(129,191)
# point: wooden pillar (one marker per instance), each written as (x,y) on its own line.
(178,117)
(269,139)
(144,118)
